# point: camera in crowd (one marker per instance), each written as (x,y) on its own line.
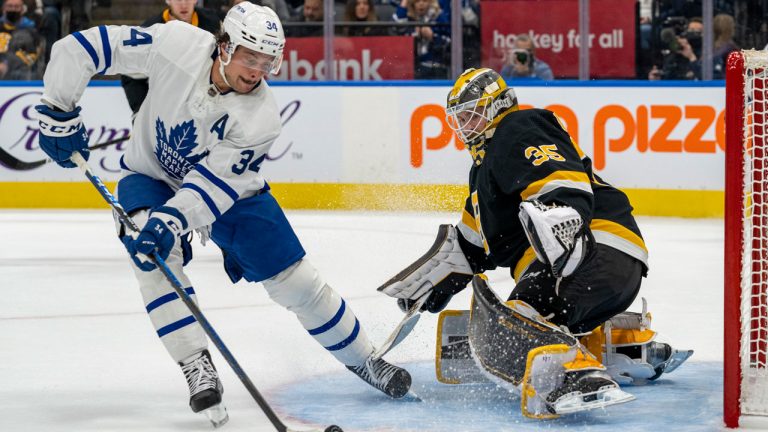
(523,56)
(677,27)
(677,24)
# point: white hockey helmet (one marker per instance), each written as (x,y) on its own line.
(257,28)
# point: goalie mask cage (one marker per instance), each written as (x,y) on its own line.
(746,237)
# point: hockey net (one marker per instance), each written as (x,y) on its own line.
(746,237)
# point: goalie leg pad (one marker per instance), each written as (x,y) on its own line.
(322,312)
(518,349)
(501,335)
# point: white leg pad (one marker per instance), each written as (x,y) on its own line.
(325,315)
(174,323)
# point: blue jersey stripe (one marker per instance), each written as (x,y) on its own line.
(333,321)
(175,326)
(154,304)
(348,340)
(207,198)
(107,49)
(217,181)
(88,48)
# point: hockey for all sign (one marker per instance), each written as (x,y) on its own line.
(556,35)
(356,59)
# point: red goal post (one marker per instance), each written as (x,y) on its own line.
(746,237)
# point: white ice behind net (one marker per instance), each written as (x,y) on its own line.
(754,280)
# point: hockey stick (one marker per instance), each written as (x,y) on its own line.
(17,164)
(179,288)
(403,329)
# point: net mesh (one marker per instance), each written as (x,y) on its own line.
(754,280)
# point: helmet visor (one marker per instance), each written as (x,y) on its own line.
(250,59)
(469,119)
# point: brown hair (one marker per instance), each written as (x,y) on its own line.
(724,27)
(349,11)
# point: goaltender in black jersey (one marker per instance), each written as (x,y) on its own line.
(574,249)
(529,157)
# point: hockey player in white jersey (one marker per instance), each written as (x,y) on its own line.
(193,162)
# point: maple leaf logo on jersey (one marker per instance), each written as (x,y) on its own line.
(173,152)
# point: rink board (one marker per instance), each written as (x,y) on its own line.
(388,147)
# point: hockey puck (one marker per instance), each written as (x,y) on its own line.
(333,428)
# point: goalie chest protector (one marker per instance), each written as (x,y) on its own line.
(531,156)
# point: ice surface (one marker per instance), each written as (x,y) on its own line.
(77,352)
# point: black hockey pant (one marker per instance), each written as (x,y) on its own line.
(603,286)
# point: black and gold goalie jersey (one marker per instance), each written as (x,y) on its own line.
(530,156)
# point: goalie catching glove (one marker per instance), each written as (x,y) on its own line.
(440,273)
(557,235)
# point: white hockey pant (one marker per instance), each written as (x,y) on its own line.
(325,315)
(173,322)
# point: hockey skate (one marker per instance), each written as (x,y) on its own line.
(585,390)
(391,380)
(632,355)
(205,388)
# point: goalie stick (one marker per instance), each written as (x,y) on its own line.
(193,308)
(403,329)
(17,164)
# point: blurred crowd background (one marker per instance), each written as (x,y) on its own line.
(421,39)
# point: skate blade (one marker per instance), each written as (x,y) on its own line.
(677,358)
(576,402)
(217,415)
(410,397)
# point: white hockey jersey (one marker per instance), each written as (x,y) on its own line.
(206,146)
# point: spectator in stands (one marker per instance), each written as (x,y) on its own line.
(724,26)
(433,43)
(523,63)
(183,10)
(12,21)
(312,12)
(682,56)
(50,27)
(23,59)
(13,16)
(361,11)
(34,11)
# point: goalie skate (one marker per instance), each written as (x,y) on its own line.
(586,390)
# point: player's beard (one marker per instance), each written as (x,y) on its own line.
(248,84)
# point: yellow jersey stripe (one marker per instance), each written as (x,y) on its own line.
(617,230)
(572,179)
(529,256)
(619,237)
(468,220)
